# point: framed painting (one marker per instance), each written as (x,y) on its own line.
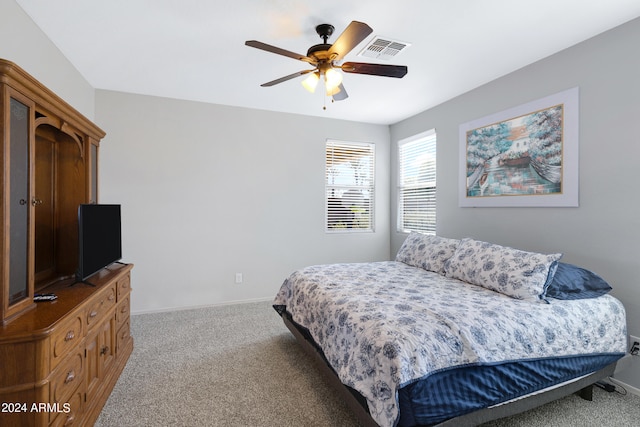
(526,156)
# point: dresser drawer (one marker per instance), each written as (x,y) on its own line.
(124,286)
(65,338)
(122,312)
(69,412)
(66,379)
(100,305)
(124,336)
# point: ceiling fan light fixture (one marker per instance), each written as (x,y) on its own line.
(333,79)
(334,91)
(311,82)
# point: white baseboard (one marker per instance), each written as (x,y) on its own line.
(195,307)
(627,387)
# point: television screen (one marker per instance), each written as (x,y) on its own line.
(100,238)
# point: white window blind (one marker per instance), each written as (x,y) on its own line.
(349,186)
(417,184)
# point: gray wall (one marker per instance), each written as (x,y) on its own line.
(603,233)
(209,191)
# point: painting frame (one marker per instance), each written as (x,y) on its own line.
(562,193)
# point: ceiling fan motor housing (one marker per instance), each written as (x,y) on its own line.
(319,51)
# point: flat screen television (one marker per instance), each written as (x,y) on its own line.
(100,238)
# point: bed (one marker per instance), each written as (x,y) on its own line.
(454,332)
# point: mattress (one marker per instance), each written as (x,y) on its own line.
(421,347)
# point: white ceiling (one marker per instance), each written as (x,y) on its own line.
(194,49)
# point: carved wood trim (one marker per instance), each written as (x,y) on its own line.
(62,126)
(69,131)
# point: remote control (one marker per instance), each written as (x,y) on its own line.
(45,297)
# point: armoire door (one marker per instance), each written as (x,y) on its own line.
(19,200)
(18,207)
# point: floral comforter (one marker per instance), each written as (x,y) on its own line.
(383,325)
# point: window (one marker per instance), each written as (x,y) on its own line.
(417,184)
(349,186)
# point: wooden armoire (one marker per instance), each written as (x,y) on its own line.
(60,359)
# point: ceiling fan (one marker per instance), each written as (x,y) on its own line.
(325,58)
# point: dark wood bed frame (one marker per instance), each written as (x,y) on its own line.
(583,387)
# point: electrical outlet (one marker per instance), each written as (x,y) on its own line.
(634,347)
(238,278)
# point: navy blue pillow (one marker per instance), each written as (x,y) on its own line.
(573,282)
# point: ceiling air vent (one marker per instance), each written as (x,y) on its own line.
(383,48)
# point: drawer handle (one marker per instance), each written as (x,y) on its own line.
(70,420)
(70,377)
(104,350)
(111,297)
(93,314)
(70,335)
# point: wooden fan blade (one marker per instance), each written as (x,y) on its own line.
(384,70)
(285,78)
(350,38)
(279,51)
(342,95)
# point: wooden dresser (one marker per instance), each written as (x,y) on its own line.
(61,360)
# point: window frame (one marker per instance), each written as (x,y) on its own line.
(370,187)
(430,138)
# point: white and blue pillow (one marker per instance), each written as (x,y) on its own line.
(513,272)
(426,251)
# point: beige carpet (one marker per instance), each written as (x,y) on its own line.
(238,365)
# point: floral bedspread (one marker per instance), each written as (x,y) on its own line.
(383,325)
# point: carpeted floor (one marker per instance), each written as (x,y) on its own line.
(238,365)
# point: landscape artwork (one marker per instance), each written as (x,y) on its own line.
(516,157)
(530,157)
